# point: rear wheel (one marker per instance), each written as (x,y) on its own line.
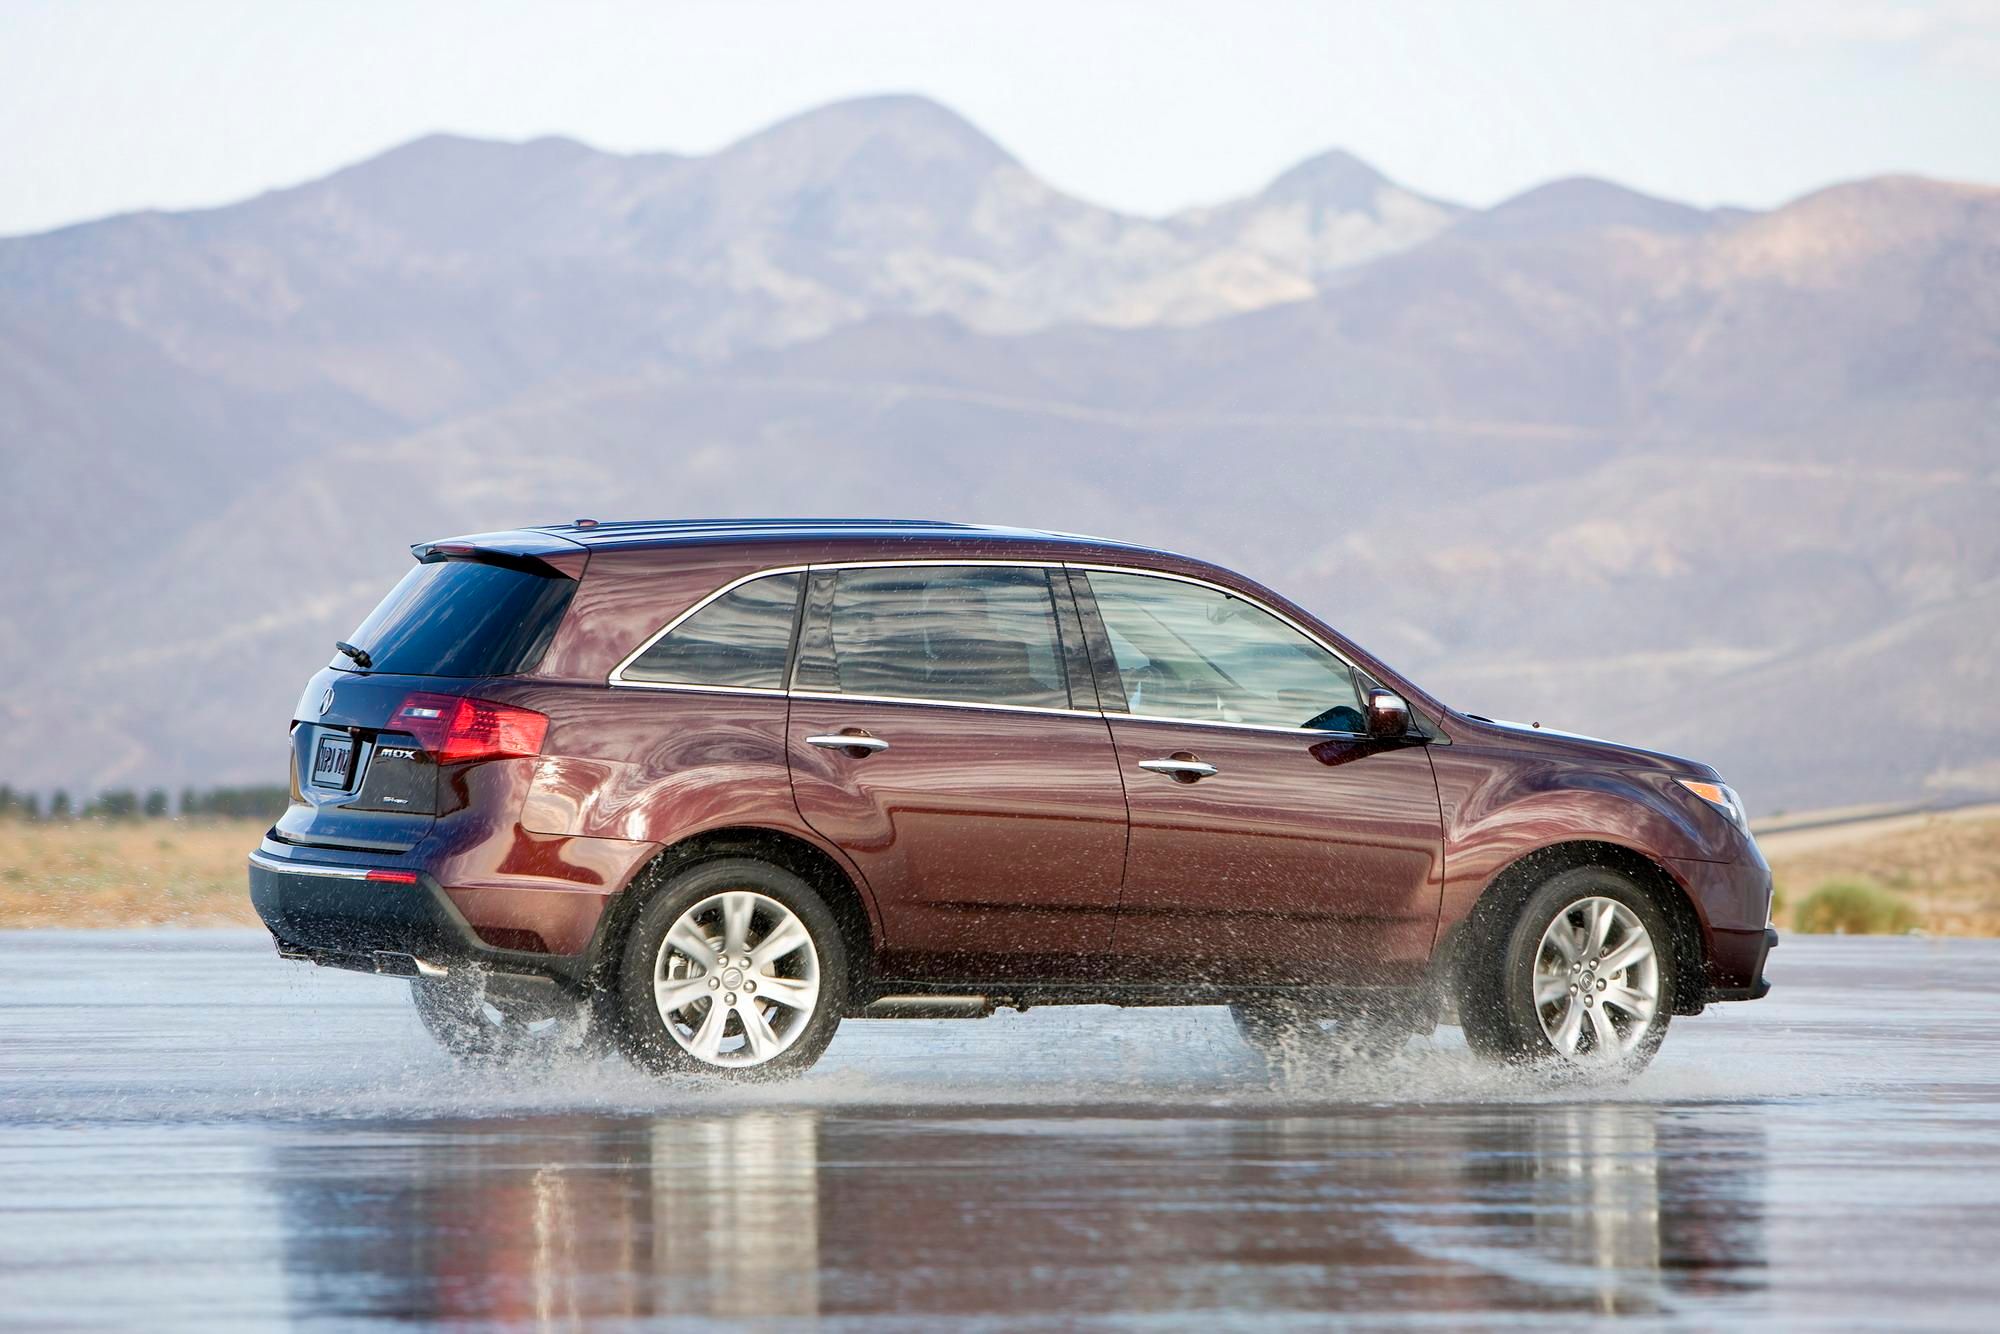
(733,969)
(1289,1035)
(482,1022)
(1580,978)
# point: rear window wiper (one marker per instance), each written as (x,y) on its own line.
(360,655)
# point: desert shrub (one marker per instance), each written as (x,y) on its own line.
(1853,908)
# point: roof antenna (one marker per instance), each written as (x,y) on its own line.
(584,523)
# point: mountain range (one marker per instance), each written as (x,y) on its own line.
(1712,480)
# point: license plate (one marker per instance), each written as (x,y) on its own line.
(333,761)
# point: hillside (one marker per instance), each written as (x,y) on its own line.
(1713,481)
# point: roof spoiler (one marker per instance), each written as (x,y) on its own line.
(527,548)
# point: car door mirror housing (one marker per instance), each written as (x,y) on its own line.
(1388,714)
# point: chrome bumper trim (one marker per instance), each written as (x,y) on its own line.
(308,868)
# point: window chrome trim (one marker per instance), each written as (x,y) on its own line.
(949,703)
(1323,733)
(616,677)
(690,687)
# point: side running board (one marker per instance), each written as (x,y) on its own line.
(929,1007)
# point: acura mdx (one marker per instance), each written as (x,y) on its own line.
(708,788)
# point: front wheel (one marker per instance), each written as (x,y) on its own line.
(1580,979)
(734,969)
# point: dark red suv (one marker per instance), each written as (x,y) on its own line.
(710,787)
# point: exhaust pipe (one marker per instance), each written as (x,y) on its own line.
(389,963)
(392,964)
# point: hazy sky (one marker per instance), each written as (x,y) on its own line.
(1144,106)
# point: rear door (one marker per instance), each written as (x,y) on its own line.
(1270,840)
(940,737)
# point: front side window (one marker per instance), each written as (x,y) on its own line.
(743,640)
(964,633)
(1194,653)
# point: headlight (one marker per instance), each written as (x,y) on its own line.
(1721,796)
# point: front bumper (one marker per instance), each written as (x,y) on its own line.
(1733,900)
(1736,964)
(329,912)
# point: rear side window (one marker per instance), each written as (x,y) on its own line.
(463,618)
(971,634)
(742,639)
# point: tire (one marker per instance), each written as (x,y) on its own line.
(481,1024)
(682,948)
(1291,1037)
(1507,956)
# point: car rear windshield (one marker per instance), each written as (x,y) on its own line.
(463,618)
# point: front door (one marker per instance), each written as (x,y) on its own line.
(1271,839)
(934,738)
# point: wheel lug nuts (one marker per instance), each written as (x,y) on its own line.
(1601,984)
(752,986)
(714,983)
(1572,990)
(729,998)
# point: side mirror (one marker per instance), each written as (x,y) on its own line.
(1388,714)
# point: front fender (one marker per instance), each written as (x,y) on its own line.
(1499,809)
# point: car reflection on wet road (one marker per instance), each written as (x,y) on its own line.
(195,1134)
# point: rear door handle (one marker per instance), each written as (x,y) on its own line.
(868,745)
(1185,771)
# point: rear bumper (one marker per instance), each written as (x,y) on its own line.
(327,911)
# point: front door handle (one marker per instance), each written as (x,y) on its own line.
(1181,768)
(849,741)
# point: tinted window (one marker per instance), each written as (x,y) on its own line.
(463,618)
(983,634)
(741,639)
(1197,653)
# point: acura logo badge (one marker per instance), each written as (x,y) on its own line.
(326,701)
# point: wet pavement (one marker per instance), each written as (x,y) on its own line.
(194,1134)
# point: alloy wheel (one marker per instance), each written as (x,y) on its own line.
(1597,980)
(736,980)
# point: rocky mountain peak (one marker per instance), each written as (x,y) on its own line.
(1335,180)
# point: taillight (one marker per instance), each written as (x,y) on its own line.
(455,729)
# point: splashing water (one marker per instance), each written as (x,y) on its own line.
(208,1026)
